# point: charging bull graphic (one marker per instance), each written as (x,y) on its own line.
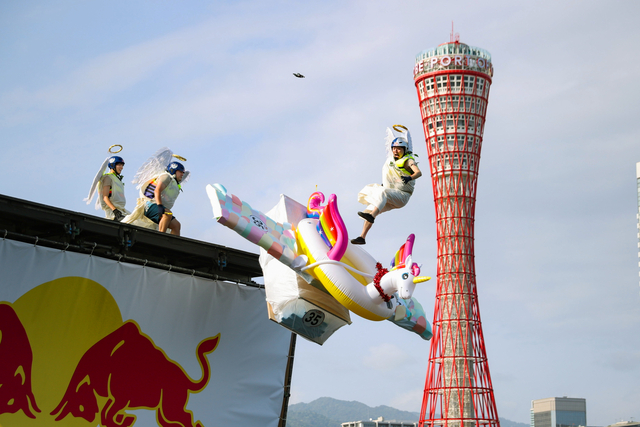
(132,373)
(16,360)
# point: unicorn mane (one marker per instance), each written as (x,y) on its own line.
(405,251)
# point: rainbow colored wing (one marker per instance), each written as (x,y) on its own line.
(275,238)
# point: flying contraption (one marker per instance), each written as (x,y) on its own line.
(314,277)
(298,75)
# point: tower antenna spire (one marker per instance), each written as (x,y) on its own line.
(454,37)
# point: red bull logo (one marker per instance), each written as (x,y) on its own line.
(132,373)
(85,366)
(15,365)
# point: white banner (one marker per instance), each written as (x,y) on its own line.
(90,341)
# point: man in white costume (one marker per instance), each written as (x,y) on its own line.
(110,189)
(160,181)
(162,193)
(399,173)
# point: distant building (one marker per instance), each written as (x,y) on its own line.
(559,412)
(380,422)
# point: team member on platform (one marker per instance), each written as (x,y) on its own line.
(110,188)
(162,193)
(160,181)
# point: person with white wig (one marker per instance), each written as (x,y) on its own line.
(399,173)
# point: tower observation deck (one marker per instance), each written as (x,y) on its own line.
(453,81)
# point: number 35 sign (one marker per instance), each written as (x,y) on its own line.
(313,318)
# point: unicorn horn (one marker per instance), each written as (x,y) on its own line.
(420,279)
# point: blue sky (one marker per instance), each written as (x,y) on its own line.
(556,243)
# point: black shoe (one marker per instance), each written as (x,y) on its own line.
(367,217)
(358,241)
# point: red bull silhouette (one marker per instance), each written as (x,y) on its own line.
(16,359)
(132,373)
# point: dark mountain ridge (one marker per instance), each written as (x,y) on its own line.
(343,411)
(329,412)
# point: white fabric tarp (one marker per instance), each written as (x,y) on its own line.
(68,302)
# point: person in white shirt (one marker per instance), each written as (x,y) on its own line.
(399,173)
(162,193)
(110,189)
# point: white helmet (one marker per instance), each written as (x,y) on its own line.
(400,142)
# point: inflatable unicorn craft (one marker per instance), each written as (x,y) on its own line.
(314,276)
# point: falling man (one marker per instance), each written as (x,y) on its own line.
(399,173)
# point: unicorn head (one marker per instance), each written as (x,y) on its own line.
(403,280)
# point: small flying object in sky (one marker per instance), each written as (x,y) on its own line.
(298,75)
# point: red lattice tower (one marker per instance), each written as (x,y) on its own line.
(453,83)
